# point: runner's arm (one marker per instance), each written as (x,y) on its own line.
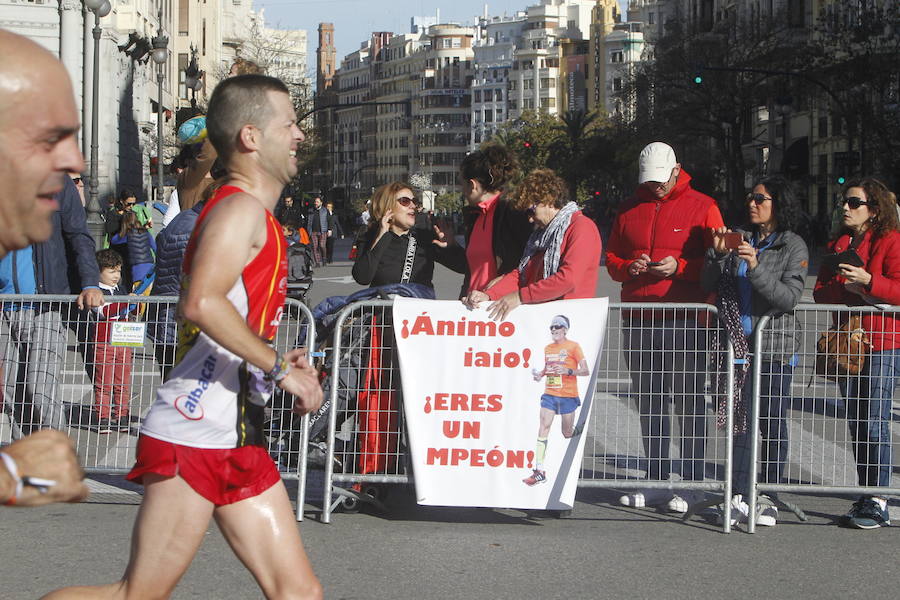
(227,240)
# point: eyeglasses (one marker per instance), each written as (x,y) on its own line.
(853,202)
(407,202)
(76,180)
(531,210)
(757,198)
(130,203)
(555,327)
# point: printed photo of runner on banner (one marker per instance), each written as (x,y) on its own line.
(496,411)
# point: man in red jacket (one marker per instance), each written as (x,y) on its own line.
(656,250)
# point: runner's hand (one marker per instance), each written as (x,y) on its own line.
(49,455)
(302,382)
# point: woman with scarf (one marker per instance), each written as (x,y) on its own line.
(764,271)
(561,258)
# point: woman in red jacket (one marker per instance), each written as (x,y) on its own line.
(561,257)
(870,227)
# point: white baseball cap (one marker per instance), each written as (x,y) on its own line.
(656,163)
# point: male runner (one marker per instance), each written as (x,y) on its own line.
(563,362)
(200,453)
(38,149)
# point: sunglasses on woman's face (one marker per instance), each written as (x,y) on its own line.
(407,202)
(853,202)
(557,327)
(757,198)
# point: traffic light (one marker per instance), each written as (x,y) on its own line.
(698,78)
(526,144)
(841,180)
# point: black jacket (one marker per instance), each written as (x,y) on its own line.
(509,236)
(67,263)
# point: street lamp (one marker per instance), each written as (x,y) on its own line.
(159,55)
(193,78)
(100,8)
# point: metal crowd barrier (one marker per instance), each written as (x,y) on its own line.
(61,370)
(810,426)
(668,346)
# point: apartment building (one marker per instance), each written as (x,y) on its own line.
(496,40)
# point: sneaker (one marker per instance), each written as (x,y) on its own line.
(866,513)
(683,501)
(106,426)
(648,497)
(766,512)
(740,511)
(535,478)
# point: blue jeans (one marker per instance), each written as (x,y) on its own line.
(869,396)
(667,361)
(774,400)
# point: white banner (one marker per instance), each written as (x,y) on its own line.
(495,411)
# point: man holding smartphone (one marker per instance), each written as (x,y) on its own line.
(656,250)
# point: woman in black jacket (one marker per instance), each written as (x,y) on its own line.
(394,250)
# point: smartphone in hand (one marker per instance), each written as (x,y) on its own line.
(733,240)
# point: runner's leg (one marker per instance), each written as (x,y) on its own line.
(163,543)
(263,533)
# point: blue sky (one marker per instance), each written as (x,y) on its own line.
(354,20)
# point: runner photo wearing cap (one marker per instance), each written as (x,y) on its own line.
(564,362)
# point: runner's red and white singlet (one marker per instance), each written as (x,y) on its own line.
(212,397)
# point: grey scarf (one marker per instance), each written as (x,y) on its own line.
(549,240)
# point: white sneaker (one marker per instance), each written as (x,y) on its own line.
(683,501)
(740,511)
(642,498)
(766,512)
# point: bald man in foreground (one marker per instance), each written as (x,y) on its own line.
(38,149)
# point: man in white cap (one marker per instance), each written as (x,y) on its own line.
(656,250)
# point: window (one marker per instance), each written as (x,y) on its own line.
(651,18)
(823,164)
(477,96)
(823,127)
(616,56)
(184,14)
(617,84)
(488,116)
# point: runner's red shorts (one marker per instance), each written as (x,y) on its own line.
(222,476)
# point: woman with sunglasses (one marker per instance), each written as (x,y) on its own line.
(870,227)
(495,231)
(758,268)
(562,257)
(394,250)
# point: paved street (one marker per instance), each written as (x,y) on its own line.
(601,551)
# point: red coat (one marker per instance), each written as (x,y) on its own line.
(882,261)
(577,274)
(679,225)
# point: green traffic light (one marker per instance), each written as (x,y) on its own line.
(698,80)
(842,180)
